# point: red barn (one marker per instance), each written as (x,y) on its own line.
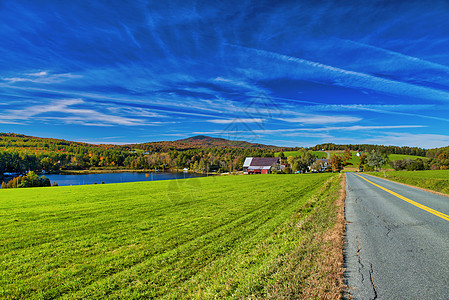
(260,165)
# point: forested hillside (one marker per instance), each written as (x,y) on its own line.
(20,153)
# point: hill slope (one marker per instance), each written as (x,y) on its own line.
(211,142)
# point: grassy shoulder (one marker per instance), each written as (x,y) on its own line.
(273,236)
(435,180)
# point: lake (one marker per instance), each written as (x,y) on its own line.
(81,179)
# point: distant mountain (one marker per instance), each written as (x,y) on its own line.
(202,141)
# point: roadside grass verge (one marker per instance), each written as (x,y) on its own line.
(264,236)
(435,180)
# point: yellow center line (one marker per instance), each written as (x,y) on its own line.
(423,207)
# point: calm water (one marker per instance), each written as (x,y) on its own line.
(79,179)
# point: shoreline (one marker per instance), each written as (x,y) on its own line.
(105,171)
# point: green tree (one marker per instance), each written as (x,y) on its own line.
(4,185)
(44,181)
(29,180)
(281,155)
(291,160)
(375,160)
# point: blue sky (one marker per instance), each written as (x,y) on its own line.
(288,73)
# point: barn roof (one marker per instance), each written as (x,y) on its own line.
(260,161)
(247,162)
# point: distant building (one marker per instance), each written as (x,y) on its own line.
(261,165)
(320,165)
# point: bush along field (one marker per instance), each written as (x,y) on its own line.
(264,236)
(435,180)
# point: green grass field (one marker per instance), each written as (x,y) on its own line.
(403,156)
(436,180)
(218,237)
(355,160)
(318,154)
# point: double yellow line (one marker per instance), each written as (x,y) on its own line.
(423,207)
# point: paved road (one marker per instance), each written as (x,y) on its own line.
(395,250)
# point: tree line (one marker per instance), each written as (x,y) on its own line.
(369,148)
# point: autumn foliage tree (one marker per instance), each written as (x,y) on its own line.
(362,163)
(336,163)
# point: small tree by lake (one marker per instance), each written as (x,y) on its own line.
(29,180)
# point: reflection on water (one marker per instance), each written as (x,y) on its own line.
(80,179)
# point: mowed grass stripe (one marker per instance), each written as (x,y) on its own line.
(133,240)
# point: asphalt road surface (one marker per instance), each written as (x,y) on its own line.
(397,244)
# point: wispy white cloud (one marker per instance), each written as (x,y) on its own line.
(63,111)
(314,71)
(397,139)
(131,35)
(383,109)
(41,77)
(41,73)
(311,119)
(220,132)
(375,107)
(161,104)
(321,131)
(336,128)
(389,60)
(236,120)
(236,82)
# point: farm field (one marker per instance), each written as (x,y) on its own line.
(403,156)
(355,160)
(217,237)
(436,180)
(318,154)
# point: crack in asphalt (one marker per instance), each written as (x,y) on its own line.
(371,278)
(361,266)
(389,229)
(370,271)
